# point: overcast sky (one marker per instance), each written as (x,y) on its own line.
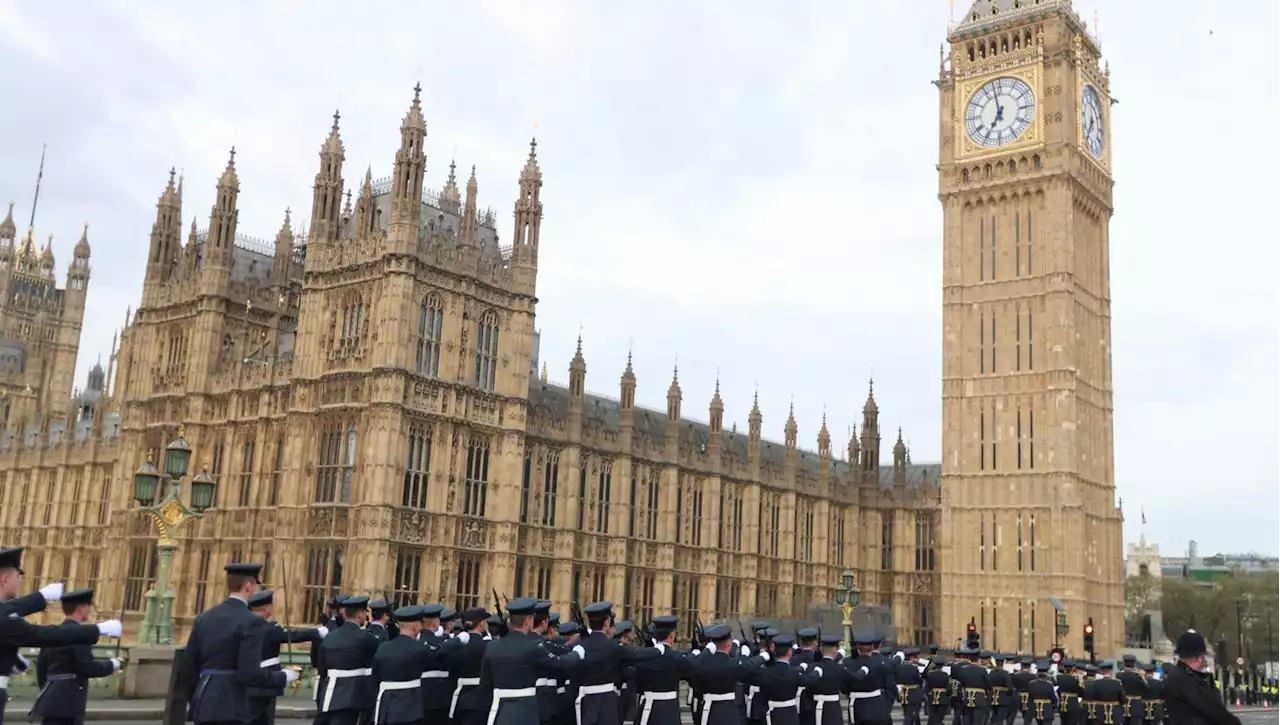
(748,188)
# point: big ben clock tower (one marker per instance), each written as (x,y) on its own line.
(1031,530)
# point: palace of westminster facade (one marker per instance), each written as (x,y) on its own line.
(366,396)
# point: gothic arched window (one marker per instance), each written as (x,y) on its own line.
(430,322)
(487,351)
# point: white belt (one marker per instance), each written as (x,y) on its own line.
(500,694)
(752,691)
(864,695)
(435,675)
(395,685)
(819,702)
(778,704)
(269,662)
(457,690)
(338,675)
(545,682)
(585,690)
(710,698)
(651,697)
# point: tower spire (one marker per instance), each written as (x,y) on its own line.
(39,178)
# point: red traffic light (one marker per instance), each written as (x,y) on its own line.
(972,628)
(1088,629)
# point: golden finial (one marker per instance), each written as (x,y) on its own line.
(182,430)
(151,456)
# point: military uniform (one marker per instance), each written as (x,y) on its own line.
(262,702)
(780,682)
(910,687)
(345,662)
(469,704)
(1070,695)
(603,662)
(754,705)
(1041,697)
(865,681)
(396,674)
(1104,698)
(1135,691)
(714,675)
(823,681)
(513,665)
(1020,680)
(657,679)
(937,685)
(63,673)
(626,675)
(223,659)
(1153,704)
(381,627)
(437,685)
(973,689)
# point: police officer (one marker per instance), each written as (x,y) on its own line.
(397,671)
(63,673)
(345,661)
(468,705)
(223,656)
(657,679)
(513,665)
(1189,695)
(262,702)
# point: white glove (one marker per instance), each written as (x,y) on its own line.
(764,655)
(488,638)
(464,637)
(818,671)
(439,631)
(582,653)
(863,670)
(744,650)
(804,666)
(900,656)
(711,646)
(736,643)
(697,652)
(290,676)
(116,664)
(110,628)
(842,653)
(52,592)
(324,631)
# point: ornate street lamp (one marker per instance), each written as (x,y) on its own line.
(847,595)
(169,515)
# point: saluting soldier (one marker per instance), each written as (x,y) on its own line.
(780,682)
(469,704)
(597,701)
(397,672)
(513,665)
(824,680)
(262,702)
(714,676)
(657,679)
(223,657)
(345,661)
(63,673)
(17,632)
(437,690)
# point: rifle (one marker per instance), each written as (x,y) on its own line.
(742,632)
(575,611)
(697,638)
(498,606)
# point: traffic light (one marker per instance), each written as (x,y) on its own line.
(1088,636)
(972,640)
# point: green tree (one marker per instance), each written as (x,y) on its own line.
(1139,593)
(1235,610)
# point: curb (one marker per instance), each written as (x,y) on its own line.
(150,712)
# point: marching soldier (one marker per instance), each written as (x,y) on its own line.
(437,691)
(823,682)
(910,686)
(624,632)
(567,692)
(345,659)
(1020,680)
(397,671)
(1135,690)
(380,620)
(16,632)
(975,697)
(469,704)
(714,676)
(63,673)
(780,682)
(597,701)
(223,657)
(331,622)
(1002,694)
(756,705)
(497,625)
(1070,694)
(1107,695)
(1041,697)
(513,665)
(1153,704)
(865,681)
(548,687)
(937,683)
(262,702)
(657,678)
(1189,695)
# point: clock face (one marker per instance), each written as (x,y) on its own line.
(1091,125)
(1000,112)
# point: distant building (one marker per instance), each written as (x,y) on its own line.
(1209,569)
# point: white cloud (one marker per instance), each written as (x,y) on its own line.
(747,186)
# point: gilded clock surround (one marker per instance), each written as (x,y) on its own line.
(965,147)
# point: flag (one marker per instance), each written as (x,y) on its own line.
(1144,515)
